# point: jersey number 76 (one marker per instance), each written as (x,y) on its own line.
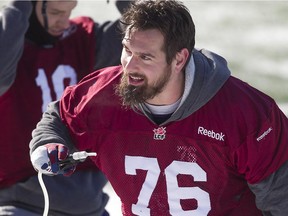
(174,192)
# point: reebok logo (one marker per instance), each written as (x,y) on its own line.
(211,134)
(264,134)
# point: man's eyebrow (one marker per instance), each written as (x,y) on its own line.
(138,53)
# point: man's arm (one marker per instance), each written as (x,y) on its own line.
(272,193)
(14,22)
(51,145)
(50,129)
(109,40)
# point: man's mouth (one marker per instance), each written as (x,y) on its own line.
(135,80)
(57,32)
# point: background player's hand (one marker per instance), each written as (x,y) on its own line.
(47,159)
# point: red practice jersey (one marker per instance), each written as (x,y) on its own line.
(42,75)
(199,165)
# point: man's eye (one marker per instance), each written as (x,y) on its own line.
(51,11)
(54,13)
(144,57)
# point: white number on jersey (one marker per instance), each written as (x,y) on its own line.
(174,192)
(62,72)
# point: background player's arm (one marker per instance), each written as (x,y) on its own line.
(109,40)
(14,22)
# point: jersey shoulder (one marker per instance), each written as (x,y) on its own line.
(84,22)
(95,87)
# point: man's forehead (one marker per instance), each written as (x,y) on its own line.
(145,36)
(61,5)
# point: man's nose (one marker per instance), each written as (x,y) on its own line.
(132,63)
(64,22)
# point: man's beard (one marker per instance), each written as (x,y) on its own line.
(134,95)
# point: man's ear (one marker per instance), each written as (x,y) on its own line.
(181,59)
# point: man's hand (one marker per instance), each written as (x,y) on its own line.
(47,159)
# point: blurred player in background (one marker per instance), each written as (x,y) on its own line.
(42,51)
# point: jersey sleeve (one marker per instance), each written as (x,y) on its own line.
(264,151)
(271,193)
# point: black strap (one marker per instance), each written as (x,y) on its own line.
(44,14)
